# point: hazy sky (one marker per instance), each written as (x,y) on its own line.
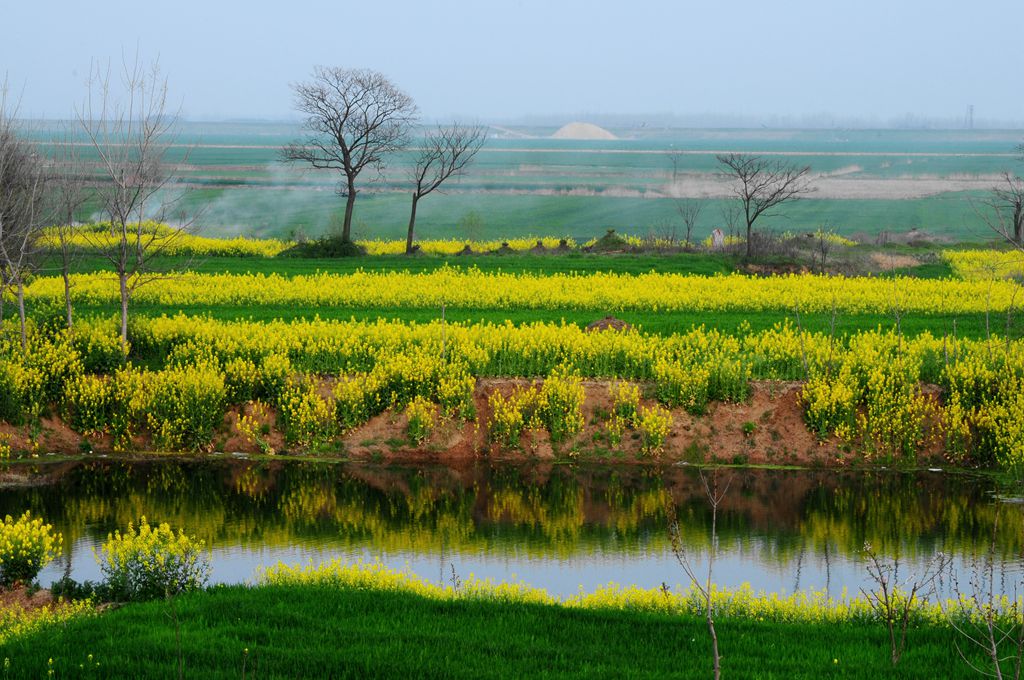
(500,60)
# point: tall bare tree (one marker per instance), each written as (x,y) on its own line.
(689,212)
(445,153)
(354,119)
(1003,209)
(131,132)
(22,194)
(762,185)
(68,194)
(703,583)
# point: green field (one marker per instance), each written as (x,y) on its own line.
(523,182)
(310,631)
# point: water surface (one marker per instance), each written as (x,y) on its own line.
(555,527)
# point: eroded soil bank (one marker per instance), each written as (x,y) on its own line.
(768,428)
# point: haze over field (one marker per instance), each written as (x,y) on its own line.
(745,63)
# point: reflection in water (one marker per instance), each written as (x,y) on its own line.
(552,526)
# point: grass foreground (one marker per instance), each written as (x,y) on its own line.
(319,631)
(336,621)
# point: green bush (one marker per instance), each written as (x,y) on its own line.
(561,403)
(26,546)
(152,562)
(681,385)
(420,414)
(306,417)
(186,406)
(87,401)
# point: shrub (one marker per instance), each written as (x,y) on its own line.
(241,379)
(455,387)
(513,414)
(152,562)
(830,405)
(26,546)
(679,385)
(561,403)
(186,406)
(420,414)
(654,424)
(356,400)
(616,427)
(100,350)
(87,402)
(306,417)
(252,426)
(129,388)
(893,421)
(625,400)
(10,400)
(275,369)
(56,362)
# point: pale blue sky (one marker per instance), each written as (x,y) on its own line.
(872,59)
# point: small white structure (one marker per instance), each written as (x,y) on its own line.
(717,239)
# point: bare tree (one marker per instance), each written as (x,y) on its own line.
(894,599)
(446,152)
(68,194)
(675,158)
(762,185)
(990,620)
(1003,209)
(715,495)
(689,212)
(22,194)
(354,119)
(131,135)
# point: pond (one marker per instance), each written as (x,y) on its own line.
(556,527)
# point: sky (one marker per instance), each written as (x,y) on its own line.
(870,60)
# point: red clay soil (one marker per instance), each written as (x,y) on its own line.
(19,598)
(766,429)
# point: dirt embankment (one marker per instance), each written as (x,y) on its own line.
(768,428)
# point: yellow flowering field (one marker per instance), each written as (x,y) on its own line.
(985,265)
(475,289)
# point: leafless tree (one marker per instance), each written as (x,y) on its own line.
(689,212)
(823,245)
(675,158)
(354,119)
(762,185)
(131,132)
(715,494)
(68,194)
(1003,209)
(893,599)
(446,152)
(989,619)
(22,196)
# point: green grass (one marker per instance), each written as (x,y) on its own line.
(229,211)
(662,323)
(681,263)
(310,631)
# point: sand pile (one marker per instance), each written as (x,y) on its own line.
(578,130)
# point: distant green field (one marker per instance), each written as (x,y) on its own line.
(523,182)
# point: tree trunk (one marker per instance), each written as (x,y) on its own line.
(21,312)
(1018,225)
(67,294)
(412,225)
(350,204)
(123,282)
(750,242)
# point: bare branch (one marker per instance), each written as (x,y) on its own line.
(445,154)
(762,185)
(354,118)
